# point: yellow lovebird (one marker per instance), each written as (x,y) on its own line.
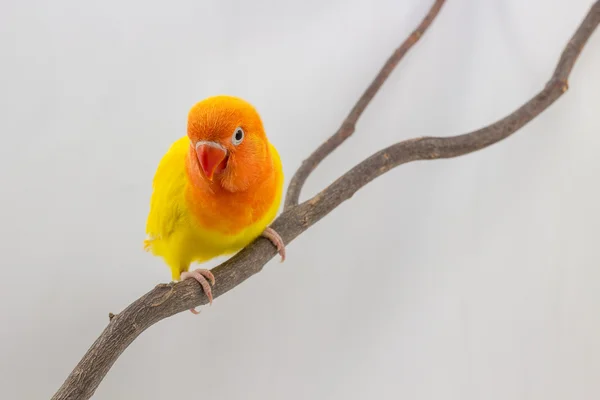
(215,190)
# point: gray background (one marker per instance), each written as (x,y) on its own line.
(472,278)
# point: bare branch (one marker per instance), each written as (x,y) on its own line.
(166,300)
(349,125)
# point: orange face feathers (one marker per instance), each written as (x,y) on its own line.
(227,143)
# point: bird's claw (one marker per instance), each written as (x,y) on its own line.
(274,237)
(201,275)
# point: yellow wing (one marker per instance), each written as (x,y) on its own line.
(166,208)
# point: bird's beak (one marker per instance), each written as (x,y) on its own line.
(212,157)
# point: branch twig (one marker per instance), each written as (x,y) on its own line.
(349,124)
(166,300)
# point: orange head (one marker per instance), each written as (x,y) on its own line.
(228,145)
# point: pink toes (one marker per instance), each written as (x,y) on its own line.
(201,275)
(274,237)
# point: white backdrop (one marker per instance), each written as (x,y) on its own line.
(482,272)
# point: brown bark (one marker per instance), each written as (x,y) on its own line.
(166,300)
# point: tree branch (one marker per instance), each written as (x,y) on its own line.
(166,300)
(349,124)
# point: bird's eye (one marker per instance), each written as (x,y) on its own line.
(238,136)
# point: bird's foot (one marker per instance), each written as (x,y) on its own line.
(274,237)
(201,275)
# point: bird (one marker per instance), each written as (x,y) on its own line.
(215,190)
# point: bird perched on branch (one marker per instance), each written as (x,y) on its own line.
(215,190)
